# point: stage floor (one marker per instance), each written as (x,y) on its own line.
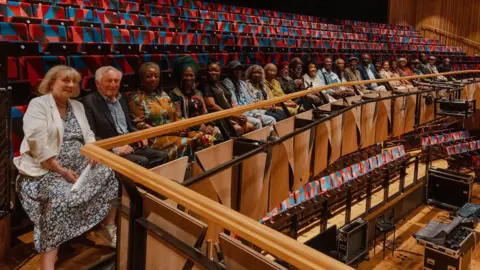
(408,254)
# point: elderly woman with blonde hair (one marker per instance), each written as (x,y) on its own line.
(55,128)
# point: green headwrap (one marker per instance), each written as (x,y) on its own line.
(182,63)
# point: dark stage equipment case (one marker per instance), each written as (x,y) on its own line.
(449,189)
(352,241)
(443,258)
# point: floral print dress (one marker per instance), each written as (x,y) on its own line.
(156,109)
(59,215)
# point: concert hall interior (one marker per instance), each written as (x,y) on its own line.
(235,134)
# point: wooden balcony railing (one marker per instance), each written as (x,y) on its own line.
(469,46)
(269,240)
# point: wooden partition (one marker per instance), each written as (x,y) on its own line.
(265,168)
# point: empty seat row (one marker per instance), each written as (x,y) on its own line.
(126,5)
(337,179)
(18,11)
(58,39)
(377,25)
(462,148)
(443,138)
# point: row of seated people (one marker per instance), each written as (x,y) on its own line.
(335,180)
(50,159)
(215,95)
(24,73)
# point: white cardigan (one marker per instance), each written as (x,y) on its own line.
(43,129)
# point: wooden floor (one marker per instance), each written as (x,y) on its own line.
(408,254)
(89,251)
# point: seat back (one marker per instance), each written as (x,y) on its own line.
(241,257)
(44,33)
(17,129)
(16,9)
(34,68)
(79,34)
(46,12)
(13,32)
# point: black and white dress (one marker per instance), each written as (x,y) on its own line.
(58,214)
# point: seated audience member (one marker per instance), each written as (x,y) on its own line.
(395,73)
(403,69)
(218,98)
(311,79)
(295,72)
(416,69)
(328,76)
(150,107)
(286,82)
(340,71)
(55,128)
(378,64)
(237,87)
(387,74)
(423,65)
(446,67)
(367,72)
(353,75)
(108,116)
(258,91)
(433,69)
(188,100)
(428,67)
(275,90)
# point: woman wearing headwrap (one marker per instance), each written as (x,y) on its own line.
(150,106)
(275,90)
(188,100)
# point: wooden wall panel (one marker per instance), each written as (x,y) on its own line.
(459,17)
(255,181)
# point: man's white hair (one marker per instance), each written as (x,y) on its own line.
(99,73)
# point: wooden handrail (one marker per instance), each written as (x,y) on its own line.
(466,41)
(167,128)
(272,241)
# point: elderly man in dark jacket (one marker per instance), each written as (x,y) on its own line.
(108,115)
